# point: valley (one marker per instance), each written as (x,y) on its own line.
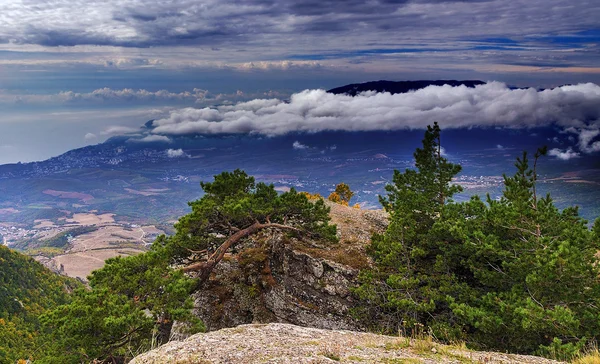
(75,245)
(74,211)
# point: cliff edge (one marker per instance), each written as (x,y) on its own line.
(273,277)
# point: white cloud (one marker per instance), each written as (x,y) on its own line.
(109,96)
(278,65)
(128,94)
(284,24)
(106,95)
(176,153)
(300,146)
(90,136)
(120,130)
(586,140)
(490,105)
(152,138)
(300,36)
(499,147)
(563,155)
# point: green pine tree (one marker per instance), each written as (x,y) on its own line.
(535,269)
(404,286)
(514,274)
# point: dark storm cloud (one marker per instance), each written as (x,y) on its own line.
(136,23)
(142,17)
(67,37)
(316,7)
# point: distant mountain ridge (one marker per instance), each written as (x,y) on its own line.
(142,182)
(399,87)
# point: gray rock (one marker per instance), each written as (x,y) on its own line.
(289,287)
(283,344)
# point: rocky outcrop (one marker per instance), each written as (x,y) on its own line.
(276,278)
(283,343)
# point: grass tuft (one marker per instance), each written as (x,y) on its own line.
(332,351)
(591,357)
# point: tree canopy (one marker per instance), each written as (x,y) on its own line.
(514,274)
(406,284)
(234,207)
(342,194)
(133,301)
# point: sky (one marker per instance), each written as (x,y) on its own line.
(75,72)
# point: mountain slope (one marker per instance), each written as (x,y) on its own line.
(26,290)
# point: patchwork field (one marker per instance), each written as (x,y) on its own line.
(81,264)
(90,239)
(91,219)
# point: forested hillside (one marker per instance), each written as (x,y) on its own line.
(27,289)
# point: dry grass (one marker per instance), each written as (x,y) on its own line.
(81,264)
(351,257)
(331,350)
(591,357)
(43,223)
(425,345)
(402,361)
(400,343)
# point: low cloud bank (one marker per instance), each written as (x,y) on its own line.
(490,105)
(125,94)
(111,97)
(90,136)
(151,139)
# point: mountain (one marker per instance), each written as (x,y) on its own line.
(142,183)
(129,191)
(398,87)
(270,276)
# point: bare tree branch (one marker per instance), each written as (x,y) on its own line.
(205,268)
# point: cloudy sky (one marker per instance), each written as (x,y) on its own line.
(73,72)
